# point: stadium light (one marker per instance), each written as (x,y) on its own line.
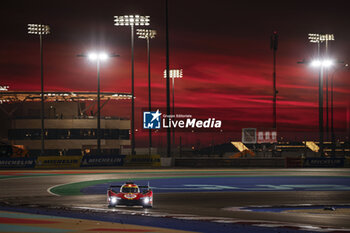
(319,38)
(102,56)
(148,34)
(322,63)
(41,29)
(314,38)
(176,73)
(327,63)
(315,63)
(132,20)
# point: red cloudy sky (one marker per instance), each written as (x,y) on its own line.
(222,46)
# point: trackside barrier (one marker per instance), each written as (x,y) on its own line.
(324,162)
(143,160)
(167,162)
(347,161)
(293,162)
(58,161)
(288,162)
(227,162)
(155,160)
(17,162)
(96,161)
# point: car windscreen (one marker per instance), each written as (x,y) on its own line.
(129,190)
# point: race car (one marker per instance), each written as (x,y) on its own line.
(130,194)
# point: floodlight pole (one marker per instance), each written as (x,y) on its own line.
(173,82)
(167,77)
(320,100)
(98,109)
(133,94)
(98,58)
(42,135)
(175,73)
(131,20)
(40,29)
(148,34)
(332,118)
(316,38)
(327,37)
(332,109)
(149,92)
(327,110)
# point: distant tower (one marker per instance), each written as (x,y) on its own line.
(274,46)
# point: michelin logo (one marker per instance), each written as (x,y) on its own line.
(151,120)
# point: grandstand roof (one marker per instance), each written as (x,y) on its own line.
(22,96)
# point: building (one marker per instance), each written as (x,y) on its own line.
(70,123)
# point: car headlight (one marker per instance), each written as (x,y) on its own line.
(113,200)
(146,200)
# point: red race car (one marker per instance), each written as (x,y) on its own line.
(130,194)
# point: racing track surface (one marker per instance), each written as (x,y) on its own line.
(193,194)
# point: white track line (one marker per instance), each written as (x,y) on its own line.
(49,189)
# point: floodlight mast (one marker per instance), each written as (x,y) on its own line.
(175,73)
(318,39)
(315,38)
(132,20)
(326,38)
(168,75)
(41,29)
(148,34)
(98,57)
(326,64)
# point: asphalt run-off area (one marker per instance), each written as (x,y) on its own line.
(192,200)
(214,184)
